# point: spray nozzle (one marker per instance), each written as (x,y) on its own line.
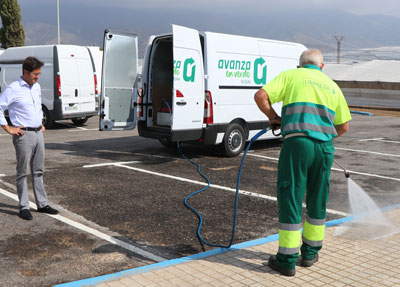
(346,173)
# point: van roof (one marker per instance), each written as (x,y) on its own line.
(42,52)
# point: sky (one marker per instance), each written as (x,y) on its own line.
(310,22)
(243,7)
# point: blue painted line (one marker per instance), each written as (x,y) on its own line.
(217,251)
(361,113)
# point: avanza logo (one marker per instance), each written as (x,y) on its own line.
(189,69)
(260,68)
(242,70)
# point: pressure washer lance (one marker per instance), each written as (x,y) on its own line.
(254,138)
(346,173)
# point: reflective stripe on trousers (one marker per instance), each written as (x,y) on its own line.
(314,231)
(289,238)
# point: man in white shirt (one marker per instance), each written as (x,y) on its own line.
(23,100)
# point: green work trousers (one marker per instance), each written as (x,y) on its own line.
(304,168)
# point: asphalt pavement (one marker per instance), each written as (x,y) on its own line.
(121,198)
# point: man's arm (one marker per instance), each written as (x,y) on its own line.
(4,102)
(262,100)
(341,129)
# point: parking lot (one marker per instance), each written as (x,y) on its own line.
(121,198)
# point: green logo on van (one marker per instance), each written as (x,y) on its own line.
(242,70)
(260,79)
(189,70)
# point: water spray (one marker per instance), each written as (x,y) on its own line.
(368,221)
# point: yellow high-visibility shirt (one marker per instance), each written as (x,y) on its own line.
(312,102)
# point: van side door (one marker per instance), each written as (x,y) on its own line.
(188,91)
(119,73)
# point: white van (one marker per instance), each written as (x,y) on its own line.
(193,87)
(68,80)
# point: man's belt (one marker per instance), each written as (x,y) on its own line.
(32,129)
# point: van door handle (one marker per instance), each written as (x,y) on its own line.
(76,92)
(181,103)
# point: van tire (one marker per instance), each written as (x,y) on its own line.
(79,121)
(47,121)
(234,140)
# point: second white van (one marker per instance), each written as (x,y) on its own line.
(68,80)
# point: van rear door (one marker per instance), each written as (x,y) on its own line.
(76,79)
(188,92)
(120,68)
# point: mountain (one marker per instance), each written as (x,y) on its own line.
(85,25)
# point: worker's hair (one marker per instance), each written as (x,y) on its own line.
(312,56)
(31,63)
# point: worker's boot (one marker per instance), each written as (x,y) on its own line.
(273,264)
(309,262)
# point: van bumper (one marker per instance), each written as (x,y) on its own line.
(57,113)
(210,133)
(166,133)
(80,115)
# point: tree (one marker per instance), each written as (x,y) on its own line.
(12,33)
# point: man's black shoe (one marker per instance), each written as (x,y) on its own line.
(309,262)
(274,265)
(25,214)
(47,209)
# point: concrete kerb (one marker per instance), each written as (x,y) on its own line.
(115,276)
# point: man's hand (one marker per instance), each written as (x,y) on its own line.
(43,129)
(275,123)
(342,129)
(13,130)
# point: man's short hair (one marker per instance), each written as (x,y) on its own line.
(312,56)
(31,63)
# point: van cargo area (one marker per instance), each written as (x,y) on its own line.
(161,78)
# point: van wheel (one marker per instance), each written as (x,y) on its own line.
(234,140)
(79,121)
(47,121)
(167,142)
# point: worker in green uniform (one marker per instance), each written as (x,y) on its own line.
(314,112)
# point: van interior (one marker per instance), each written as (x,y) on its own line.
(161,81)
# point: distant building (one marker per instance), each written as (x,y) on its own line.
(372,83)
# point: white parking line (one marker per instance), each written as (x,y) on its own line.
(71,126)
(94,232)
(374,139)
(248,193)
(79,129)
(381,140)
(371,152)
(337,169)
(110,163)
